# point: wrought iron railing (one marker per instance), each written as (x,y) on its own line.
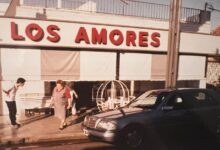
(191,15)
(41,3)
(119,7)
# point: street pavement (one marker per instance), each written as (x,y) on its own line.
(37,129)
(85,144)
(42,132)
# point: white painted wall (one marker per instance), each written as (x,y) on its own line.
(97,66)
(24,63)
(28,96)
(135,66)
(3,8)
(20,62)
(199,43)
(202,83)
(191,68)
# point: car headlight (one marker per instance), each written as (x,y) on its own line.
(106,125)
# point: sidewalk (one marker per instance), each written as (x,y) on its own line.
(41,129)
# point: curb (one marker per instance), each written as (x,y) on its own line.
(41,139)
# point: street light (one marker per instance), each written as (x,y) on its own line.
(209,6)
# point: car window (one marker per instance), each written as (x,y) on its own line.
(203,99)
(200,96)
(189,99)
(151,99)
(179,101)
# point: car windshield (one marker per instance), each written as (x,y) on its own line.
(149,99)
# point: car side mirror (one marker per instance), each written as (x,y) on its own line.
(167,108)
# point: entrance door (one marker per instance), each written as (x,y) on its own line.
(84,91)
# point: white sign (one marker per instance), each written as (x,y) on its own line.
(28,32)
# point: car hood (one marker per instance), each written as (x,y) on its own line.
(119,113)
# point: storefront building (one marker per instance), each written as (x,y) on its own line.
(86,47)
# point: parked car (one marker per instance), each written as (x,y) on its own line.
(164,112)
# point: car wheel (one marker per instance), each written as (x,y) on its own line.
(133,136)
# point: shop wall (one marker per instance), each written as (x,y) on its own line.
(1,100)
(191,68)
(3,8)
(22,63)
(199,43)
(17,62)
(31,95)
(97,66)
(147,70)
(60,64)
(158,68)
(135,66)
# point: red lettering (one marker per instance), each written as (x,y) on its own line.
(55,37)
(14,32)
(39,32)
(120,39)
(82,36)
(130,38)
(143,39)
(100,38)
(156,41)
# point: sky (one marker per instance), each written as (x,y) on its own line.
(200,4)
(197,4)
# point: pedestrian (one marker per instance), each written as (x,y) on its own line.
(10,101)
(74,96)
(61,99)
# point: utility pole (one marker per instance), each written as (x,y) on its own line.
(173,44)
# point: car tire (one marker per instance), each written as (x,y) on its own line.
(133,136)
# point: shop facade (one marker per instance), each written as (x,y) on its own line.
(88,49)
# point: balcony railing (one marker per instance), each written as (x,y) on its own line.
(41,3)
(119,7)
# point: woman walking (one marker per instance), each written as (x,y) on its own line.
(61,99)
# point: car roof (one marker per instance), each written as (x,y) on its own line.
(180,89)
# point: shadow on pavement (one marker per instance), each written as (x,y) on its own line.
(28,120)
(82,115)
(35,118)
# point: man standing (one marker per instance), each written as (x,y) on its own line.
(10,101)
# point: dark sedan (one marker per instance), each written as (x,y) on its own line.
(164,113)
